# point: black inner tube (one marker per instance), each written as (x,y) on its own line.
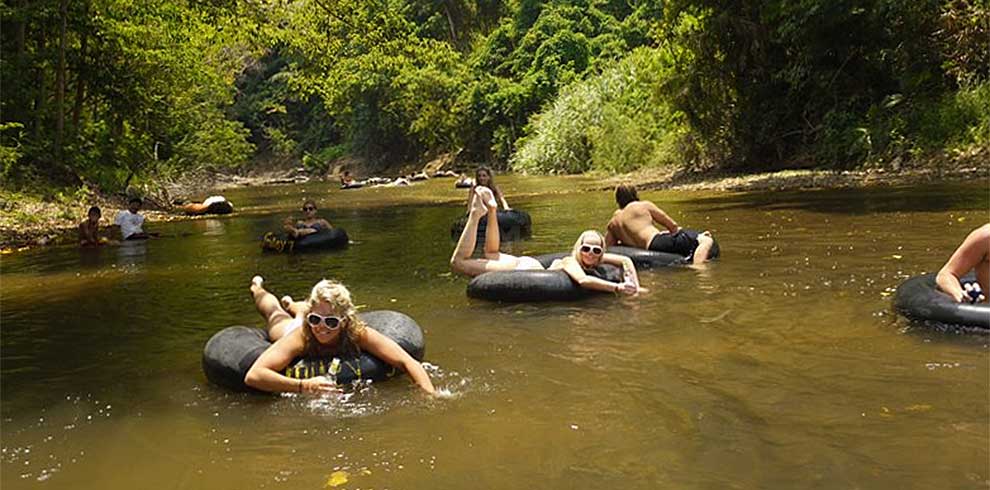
(321,240)
(512,225)
(231,352)
(919,298)
(222,207)
(647,259)
(533,286)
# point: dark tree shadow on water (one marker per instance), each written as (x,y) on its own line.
(936,198)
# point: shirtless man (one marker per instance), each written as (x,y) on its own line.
(632,226)
(89,230)
(974,253)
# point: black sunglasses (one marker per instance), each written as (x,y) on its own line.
(331,322)
(594,249)
(309,208)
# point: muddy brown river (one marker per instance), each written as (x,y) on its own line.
(782,365)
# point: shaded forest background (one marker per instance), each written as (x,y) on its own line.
(102,94)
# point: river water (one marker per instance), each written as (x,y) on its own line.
(780,366)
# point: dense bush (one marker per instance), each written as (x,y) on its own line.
(612,122)
(520,67)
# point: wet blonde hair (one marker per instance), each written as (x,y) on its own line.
(339,298)
(576,251)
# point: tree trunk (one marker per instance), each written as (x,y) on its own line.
(20,33)
(20,106)
(80,79)
(60,81)
(450,22)
(39,94)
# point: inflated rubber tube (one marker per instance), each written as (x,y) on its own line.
(222,207)
(532,286)
(198,209)
(321,240)
(715,252)
(512,224)
(231,352)
(463,184)
(646,259)
(918,298)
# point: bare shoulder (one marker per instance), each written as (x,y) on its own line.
(649,205)
(291,345)
(978,240)
(370,334)
(615,259)
(371,338)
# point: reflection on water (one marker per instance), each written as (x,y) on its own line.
(780,366)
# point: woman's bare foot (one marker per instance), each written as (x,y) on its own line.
(487,196)
(292,306)
(257,284)
(478,208)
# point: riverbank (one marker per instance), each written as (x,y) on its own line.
(30,220)
(786,180)
(27,221)
(964,166)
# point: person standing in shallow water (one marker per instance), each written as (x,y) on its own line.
(974,253)
(483,178)
(632,225)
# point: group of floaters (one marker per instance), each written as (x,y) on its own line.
(312,346)
(347,181)
(327,328)
(312,340)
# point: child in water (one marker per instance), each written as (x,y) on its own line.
(89,229)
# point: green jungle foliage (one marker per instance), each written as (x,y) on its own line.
(102,92)
(614,121)
(825,84)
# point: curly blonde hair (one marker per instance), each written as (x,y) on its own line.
(582,239)
(339,298)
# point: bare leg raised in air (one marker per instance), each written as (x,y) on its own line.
(277,319)
(482,203)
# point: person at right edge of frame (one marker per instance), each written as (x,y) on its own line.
(972,255)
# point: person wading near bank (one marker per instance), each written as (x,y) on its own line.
(632,225)
(131,222)
(89,229)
